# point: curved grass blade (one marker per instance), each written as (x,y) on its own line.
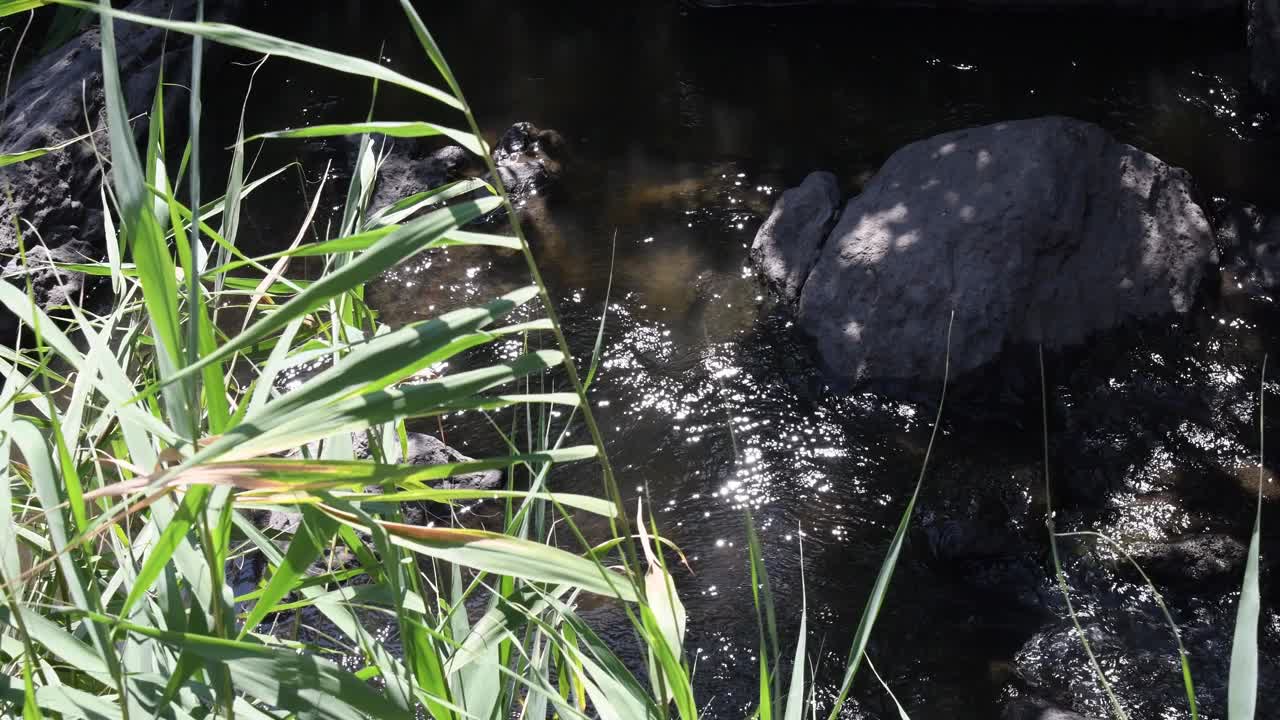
(299,682)
(384,254)
(1183,656)
(795,692)
(881,587)
(404,129)
(25,155)
(316,529)
(269,45)
(1242,683)
(500,554)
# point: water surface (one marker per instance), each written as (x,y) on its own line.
(683,127)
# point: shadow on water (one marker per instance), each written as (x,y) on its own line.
(683,127)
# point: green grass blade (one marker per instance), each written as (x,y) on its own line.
(795,692)
(175,531)
(384,254)
(1242,684)
(268,45)
(13,7)
(147,242)
(32,154)
(403,129)
(881,587)
(391,357)
(503,555)
(250,439)
(299,682)
(314,532)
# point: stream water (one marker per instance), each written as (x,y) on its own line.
(681,128)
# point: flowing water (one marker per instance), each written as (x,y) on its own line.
(681,129)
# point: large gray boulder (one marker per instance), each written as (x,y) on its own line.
(1038,231)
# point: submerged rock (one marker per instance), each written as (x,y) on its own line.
(529,162)
(1249,244)
(1196,562)
(528,159)
(1027,709)
(1035,231)
(409,167)
(1138,650)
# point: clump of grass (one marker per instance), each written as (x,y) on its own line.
(133,454)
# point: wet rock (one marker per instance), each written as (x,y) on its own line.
(410,167)
(1028,709)
(790,239)
(1197,561)
(529,162)
(1264,47)
(1249,243)
(1138,650)
(528,159)
(1034,231)
(59,194)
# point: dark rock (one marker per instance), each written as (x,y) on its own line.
(51,287)
(1198,561)
(411,166)
(529,162)
(1035,231)
(57,197)
(1133,642)
(1027,709)
(791,238)
(528,159)
(1264,47)
(1249,244)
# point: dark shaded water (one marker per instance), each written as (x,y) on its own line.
(682,128)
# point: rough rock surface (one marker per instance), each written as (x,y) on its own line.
(60,97)
(1198,562)
(528,161)
(1136,646)
(410,168)
(1173,9)
(1034,231)
(1024,709)
(788,243)
(528,158)
(1249,244)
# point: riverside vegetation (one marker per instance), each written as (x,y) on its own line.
(139,441)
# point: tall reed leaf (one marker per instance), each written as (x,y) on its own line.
(881,587)
(382,256)
(268,45)
(1242,684)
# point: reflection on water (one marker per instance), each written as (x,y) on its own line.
(682,128)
